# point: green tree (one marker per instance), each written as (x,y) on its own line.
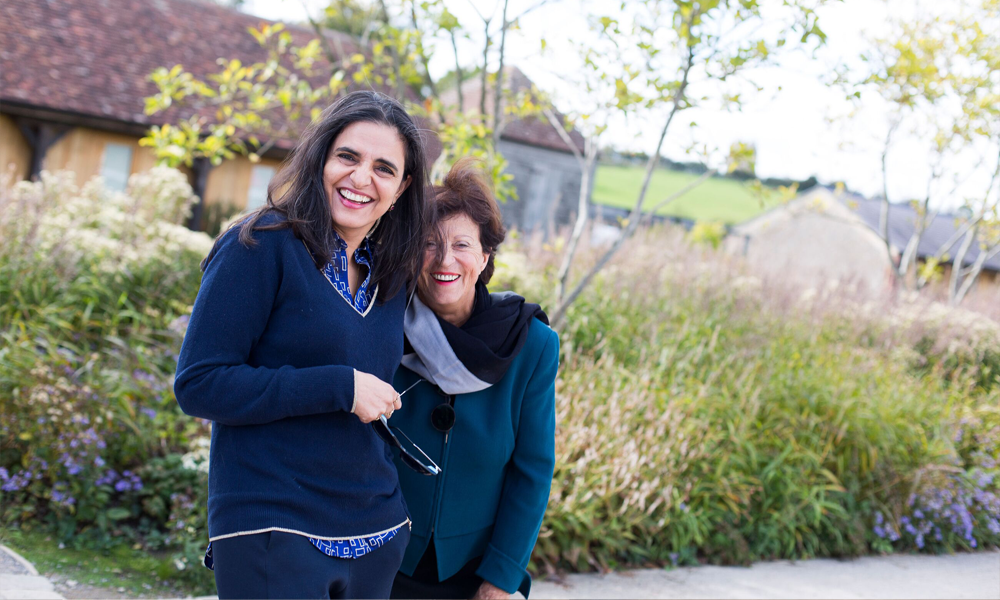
(937,73)
(658,58)
(356,18)
(246,108)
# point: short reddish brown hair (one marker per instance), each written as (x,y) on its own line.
(467,191)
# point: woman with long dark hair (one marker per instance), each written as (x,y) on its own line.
(292,343)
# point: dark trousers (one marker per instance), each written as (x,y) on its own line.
(286,565)
(424,582)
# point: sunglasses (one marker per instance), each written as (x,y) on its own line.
(385,431)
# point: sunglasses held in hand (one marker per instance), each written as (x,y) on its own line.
(385,431)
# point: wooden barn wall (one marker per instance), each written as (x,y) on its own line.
(15,154)
(82,151)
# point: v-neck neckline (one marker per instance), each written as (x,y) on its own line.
(337,293)
(350,303)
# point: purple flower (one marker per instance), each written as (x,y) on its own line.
(61,498)
(149,412)
(109,478)
(15,483)
(146,378)
(123,485)
(98,462)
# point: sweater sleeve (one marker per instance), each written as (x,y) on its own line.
(528,480)
(214,380)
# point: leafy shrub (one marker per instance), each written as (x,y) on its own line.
(95,290)
(707,415)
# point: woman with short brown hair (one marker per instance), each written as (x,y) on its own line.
(482,370)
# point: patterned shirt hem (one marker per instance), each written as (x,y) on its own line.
(345,547)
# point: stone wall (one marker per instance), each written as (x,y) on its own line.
(548,187)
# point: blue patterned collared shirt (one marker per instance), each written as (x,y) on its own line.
(336,272)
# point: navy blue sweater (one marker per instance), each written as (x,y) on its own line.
(269,357)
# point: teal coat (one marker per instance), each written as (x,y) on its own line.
(497,466)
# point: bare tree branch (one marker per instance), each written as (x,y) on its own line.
(458,74)
(335,58)
(394,53)
(586,162)
(563,135)
(498,85)
(971,275)
(423,53)
(956,236)
(958,264)
(883,219)
(684,190)
(634,216)
(476,8)
(529,10)
(582,215)
(958,288)
(486,58)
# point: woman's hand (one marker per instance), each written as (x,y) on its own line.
(373,397)
(488,591)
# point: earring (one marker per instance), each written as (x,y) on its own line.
(392,206)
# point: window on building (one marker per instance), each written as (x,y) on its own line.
(260,176)
(117,166)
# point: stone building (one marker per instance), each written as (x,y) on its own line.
(822,236)
(546,174)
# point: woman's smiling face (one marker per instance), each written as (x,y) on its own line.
(448,285)
(363,176)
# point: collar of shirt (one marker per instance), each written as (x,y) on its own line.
(336,272)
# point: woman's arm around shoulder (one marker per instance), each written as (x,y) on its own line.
(231,312)
(526,487)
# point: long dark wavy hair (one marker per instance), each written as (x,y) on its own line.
(296,193)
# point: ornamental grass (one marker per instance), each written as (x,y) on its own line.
(705,413)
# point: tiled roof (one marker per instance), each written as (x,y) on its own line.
(532,131)
(93,57)
(902,224)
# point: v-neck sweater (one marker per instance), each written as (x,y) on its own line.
(269,357)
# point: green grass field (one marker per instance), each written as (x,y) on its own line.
(717,199)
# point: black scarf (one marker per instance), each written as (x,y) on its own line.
(481,350)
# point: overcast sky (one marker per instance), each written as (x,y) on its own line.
(799,131)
